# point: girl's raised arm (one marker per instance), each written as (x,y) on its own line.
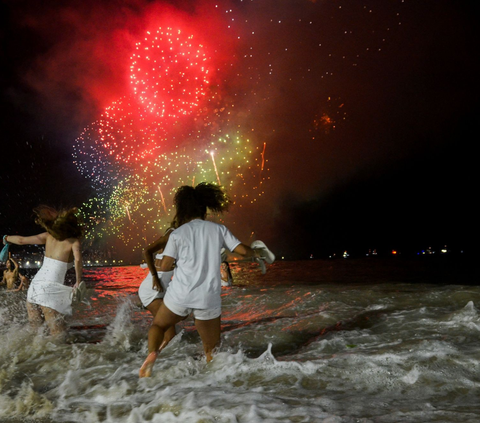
(39,239)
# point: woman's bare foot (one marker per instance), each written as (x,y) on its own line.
(146,369)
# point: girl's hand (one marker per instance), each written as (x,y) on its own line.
(156,283)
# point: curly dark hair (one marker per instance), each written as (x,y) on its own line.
(61,224)
(193,202)
(12,264)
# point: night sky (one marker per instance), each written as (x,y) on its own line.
(334,125)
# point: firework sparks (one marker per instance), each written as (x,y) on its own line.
(169,72)
(177,124)
(212,154)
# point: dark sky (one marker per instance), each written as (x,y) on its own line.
(367,113)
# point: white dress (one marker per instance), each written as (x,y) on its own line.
(47,288)
(147,293)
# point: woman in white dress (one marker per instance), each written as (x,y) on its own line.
(48,299)
(152,290)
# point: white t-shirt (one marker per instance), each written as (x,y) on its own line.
(196,246)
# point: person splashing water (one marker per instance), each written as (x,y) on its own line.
(196,284)
(48,299)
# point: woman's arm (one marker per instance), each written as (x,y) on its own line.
(39,239)
(77,257)
(157,245)
(245,251)
(15,264)
(22,279)
(167,264)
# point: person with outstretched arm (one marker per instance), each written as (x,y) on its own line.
(195,288)
(48,299)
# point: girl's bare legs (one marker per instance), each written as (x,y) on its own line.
(209,331)
(55,321)
(153,308)
(35,315)
(163,320)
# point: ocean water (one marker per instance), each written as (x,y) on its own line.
(366,340)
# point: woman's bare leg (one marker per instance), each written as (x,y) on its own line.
(163,320)
(153,308)
(55,321)
(209,331)
(35,315)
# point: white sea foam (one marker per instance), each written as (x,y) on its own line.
(290,353)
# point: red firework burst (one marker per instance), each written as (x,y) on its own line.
(169,73)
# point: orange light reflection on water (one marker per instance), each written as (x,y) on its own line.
(126,279)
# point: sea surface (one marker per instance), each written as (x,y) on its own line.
(346,340)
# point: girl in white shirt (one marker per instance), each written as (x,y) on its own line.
(195,288)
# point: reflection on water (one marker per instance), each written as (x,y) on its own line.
(313,341)
(125,278)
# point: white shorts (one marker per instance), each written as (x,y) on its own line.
(200,314)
